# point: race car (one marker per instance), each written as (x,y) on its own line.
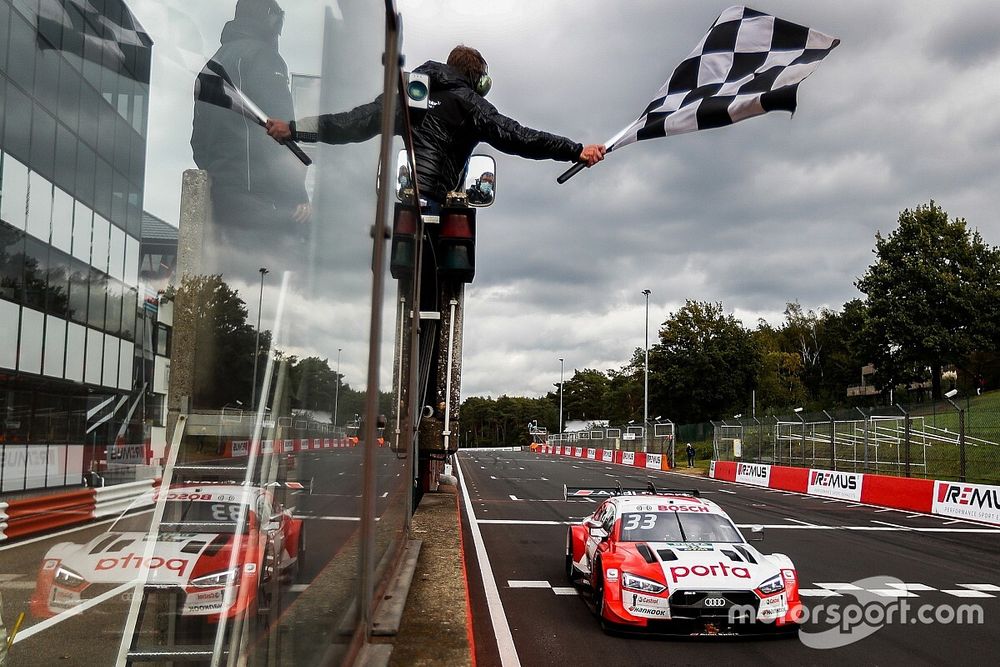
(213,539)
(668,561)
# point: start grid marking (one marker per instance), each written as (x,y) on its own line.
(826,590)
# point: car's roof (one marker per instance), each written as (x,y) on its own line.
(666,503)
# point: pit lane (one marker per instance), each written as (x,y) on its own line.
(515,501)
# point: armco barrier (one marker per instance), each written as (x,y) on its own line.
(973,502)
(631,459)
(113,500)
(35,515)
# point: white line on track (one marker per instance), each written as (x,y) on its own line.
(69,613)
(501,630)
(513,497)
(803,523)
(894,525)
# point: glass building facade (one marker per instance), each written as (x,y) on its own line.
(74,95)
(186,304)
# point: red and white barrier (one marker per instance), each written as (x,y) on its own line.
(960,500)
(631,459)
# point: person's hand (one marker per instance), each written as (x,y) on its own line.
(279,130)
(302,213)
(592,154)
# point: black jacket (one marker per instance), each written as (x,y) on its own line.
(444,135)
(237,153)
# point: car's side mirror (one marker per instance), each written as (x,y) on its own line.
(272,527)
(757,533)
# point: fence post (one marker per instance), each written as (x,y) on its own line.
(906,440)
(864,442)
(833,441)
(961,436)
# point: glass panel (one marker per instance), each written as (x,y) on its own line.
(83,220)
(10,316)
(111,346)
(95,354)
(129,305)
(131,261)
(55,345)
(14,193)
(29,354)
(100,243)
(113,310)
(57,289)
(116,257)
(125,365)
(79,291)
(17,123)
(11,263)
(36,269)
(97,302)
(62,221)
(76,338)
(39,207)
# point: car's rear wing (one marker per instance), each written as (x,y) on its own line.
(618,490)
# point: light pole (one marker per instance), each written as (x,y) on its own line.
(336,391)
(961,433)
(256,345)
(645,392)
(798,413)
(560,393)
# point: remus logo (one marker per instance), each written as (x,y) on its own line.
(833,480)
(757,474)
(976,496)
(752,470)
(833,484)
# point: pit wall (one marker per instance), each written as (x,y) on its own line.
(631,459)
(956,500)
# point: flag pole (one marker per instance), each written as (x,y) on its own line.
(579,166)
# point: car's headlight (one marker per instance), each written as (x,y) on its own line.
(636,583)
(217,579)
(773,585)
(69,578)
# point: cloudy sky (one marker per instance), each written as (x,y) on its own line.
(771,210)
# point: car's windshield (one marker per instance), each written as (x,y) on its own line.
(188,516)
(677,527)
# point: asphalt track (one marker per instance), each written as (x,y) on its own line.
(524,612)
(91,638)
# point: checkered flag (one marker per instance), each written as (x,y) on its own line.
(749,63)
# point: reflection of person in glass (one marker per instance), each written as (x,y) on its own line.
(481,191)
(445,134)
(258,187)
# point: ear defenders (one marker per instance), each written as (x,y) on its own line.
(483,83)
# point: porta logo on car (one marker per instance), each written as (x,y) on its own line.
(135,561)
(719,570)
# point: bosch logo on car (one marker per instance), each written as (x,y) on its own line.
(833,480)
(682,508)
(719,570)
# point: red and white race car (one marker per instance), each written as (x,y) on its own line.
(668,561)
(212,538)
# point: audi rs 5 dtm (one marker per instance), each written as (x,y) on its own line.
(668,561)
(216,547)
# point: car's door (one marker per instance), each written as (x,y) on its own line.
(595,537)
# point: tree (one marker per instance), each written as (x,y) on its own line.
(930,296)
(705,364)
(215,316)
(585,395)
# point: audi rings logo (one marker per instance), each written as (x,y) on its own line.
(715,602)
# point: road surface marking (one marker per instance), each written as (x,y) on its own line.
(818,593)
(564,590)
(912,587)
(992,588)
(501,630)
(962,593)
(840,587)
(513,583)
(513,497)
(892,593)
(804,523)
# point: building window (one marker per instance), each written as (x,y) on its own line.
(163,340)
